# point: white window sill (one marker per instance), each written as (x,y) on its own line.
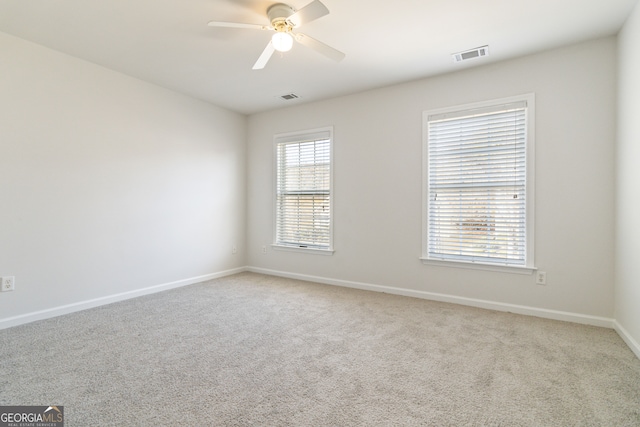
(479,266)
(302,249)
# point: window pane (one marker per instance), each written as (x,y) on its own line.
(303,194)
(477,187)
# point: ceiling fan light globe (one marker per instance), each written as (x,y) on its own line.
(282,42)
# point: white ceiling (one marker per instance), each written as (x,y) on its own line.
(168,42)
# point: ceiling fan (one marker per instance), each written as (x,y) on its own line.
(284,19)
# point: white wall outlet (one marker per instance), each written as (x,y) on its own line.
(541,278)
(8,283)
(234,249)
(264,249)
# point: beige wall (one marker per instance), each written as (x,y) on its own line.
(108,184)
(377,172)
(627,290)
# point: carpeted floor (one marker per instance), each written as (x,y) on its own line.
(255,350)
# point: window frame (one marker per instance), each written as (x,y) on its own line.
(529,262)
(299,137)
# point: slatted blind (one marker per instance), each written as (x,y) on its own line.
(477,185)
(303,181)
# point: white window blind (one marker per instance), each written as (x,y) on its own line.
(303,186)
(477,184)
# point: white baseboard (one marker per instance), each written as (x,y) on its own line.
(83,305)
(491,305)
(627,338)
(584,319)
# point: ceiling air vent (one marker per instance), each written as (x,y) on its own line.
(289,96)
(471,54)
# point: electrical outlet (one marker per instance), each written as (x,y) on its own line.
(541,278)
(8,283)
(264,250)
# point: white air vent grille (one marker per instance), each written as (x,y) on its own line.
(478,52)
(289,96)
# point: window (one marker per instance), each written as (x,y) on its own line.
(303,191)
(478,194)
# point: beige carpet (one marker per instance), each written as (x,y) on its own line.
(254,350)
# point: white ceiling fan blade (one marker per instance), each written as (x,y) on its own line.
(320,47)
(310,12)
(264,57)
(239,25)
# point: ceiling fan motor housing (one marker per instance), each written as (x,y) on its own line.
(278,16)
